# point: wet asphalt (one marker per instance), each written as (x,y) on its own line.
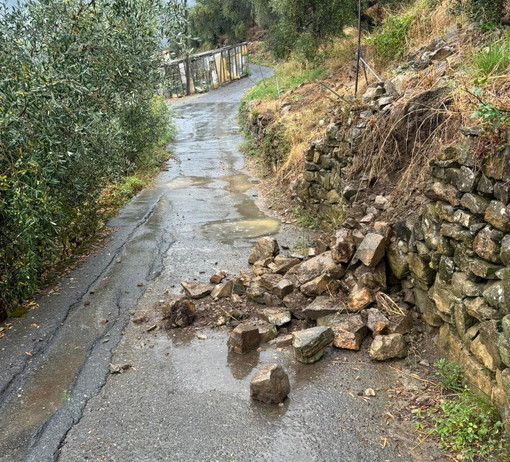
(183,399)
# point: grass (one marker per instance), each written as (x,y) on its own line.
(287,77)
(494,59)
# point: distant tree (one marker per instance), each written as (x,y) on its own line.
(213,21)
(302,25)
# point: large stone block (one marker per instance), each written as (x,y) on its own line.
(323,306)
(349,330)
(390,346)
(474,203)
(315,267)
(266,247)
(244,338)
(371,250)
(487,244)
(270,384)
(309,344)
(396,255)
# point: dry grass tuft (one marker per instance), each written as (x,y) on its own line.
(399,146)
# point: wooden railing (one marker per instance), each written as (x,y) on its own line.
(205,71)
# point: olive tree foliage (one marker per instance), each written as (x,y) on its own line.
(78,80)
(302,25)
(213,21)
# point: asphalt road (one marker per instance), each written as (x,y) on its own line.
(183,399)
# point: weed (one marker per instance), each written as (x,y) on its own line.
(493,59)
(470,426)
(304,218)
(452,375)
(464,422)
(390,41)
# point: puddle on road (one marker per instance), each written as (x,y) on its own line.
(184,182)
(229,231)
(239,183)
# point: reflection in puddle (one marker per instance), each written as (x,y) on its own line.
(185,181)
(228,231)
(242,365)
(239,183)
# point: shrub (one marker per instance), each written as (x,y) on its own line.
(77,111)
(389,40)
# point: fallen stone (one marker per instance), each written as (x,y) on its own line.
(309,344)
(315,267)
(244,338)
(283,264)
(283,288)
(344,247)
(179,312)
(270,384)
(265,248)
(267,331)
(377,322)
(276,317)
(295,303)
(350,331)
(474,203)
(323,306)
(256,294)
(218,277)
(402,324)
(324,283)
(282,341)
(371,250)
(360,298)
(389,346)
(196,290)
(272,300)
(505,250)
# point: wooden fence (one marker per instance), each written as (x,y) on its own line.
(205,71)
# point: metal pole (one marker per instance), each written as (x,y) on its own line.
(187,61)
(358,53)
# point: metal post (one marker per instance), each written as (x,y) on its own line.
(358,52)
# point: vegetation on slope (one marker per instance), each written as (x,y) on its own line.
(77,112)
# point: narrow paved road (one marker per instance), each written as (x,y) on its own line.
(184,399)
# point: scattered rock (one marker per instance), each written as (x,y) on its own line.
(350,331)
(270,384)
(323,306)
(141,319)
(283,288)
(344,246)
(377,322)
(234,286)
(179,312)
(267,331)
(388,347)
(265,248)
(275,317)
(218,277)
(360,298)
(309,344)
(315,267)
(371,250)
(244,338)
(196,290)
(324,283)
(282,341)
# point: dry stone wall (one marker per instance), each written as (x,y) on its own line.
(453,253)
